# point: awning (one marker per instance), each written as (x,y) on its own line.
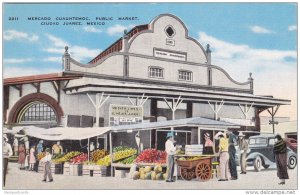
(65,133)
(241,122)
(203,123)
(79,133)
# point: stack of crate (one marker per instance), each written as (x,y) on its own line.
(195,149)
(66,168)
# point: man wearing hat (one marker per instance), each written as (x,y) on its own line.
(243,146)
(170,150)
(7,152)
(47,168)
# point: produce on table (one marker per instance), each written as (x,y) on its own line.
(153,175)
(98,154)
(128,160)
(124,154)
(158,168)
(66,157)
(189,158)
(79,158)
(119,148)
(121,154)
(152,156)
(41,155)
(148,173)
(136,175)
(57,156)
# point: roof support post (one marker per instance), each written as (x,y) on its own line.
(272,113)
(216,108)
(98,103)
(139,101)
(174,106)
(246,110)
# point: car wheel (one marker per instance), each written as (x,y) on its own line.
(292,162)
(266,166)
(257,164)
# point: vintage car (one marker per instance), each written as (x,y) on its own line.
(260,153)
(292,143)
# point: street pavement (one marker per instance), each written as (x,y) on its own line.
(27,180)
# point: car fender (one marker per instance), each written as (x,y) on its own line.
(253,155)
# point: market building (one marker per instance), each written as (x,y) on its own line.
(156,72)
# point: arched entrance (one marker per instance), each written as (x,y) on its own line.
(36,108)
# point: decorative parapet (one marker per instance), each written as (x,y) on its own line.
(66,60)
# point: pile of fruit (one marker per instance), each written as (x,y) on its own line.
(117,156)
(104,161)
(189,158)
(149,173)
(66,157)
(120,148)
(124,154)
(57,156)
(128,160)
(79,158)
(98,154)
(152,156)
(41,155)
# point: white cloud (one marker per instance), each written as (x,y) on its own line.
(79,53)
(92,29)
(18,71)
(260,30)
(53,59)
(57,42)
(10,35)
(118,30)
(292,28)
(82,53)
(16,60)
(274,71)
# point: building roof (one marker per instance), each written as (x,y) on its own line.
(38,78)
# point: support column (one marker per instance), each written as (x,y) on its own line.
(98,104)
(189,109)
(272,113)
(153,110)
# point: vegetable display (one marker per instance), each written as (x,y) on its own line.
(79,158)
(149,173)
(152,156)
(66,157)
(98,154)
(128,160)
(121,154)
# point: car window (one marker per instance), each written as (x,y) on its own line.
(258,141)
(271,141)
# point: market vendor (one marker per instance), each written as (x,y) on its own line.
(170,150)
(57,148)
(208,145)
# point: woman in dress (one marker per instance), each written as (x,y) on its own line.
(32,159)
(22,155)
(280,152)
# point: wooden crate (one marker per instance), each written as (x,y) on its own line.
(76,169)
(66,168)
(105,171)
(86,169)
(57,168)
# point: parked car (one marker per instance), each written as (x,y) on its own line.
(292,143)
(260,153)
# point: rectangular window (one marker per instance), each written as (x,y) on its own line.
(185,75)
(155,72)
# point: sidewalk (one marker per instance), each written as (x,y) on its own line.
(27,180)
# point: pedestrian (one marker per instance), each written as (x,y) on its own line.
(26,164)
(170,150)
(57,148)
(280,152)
(32,159)
(232,151)
(26,141)
(243,146)
(223,156)
(47,166)
(16,146)
(7,152)
(36,164)
(39,147)
(22,156)
(208,145)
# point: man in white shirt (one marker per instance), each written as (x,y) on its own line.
(170,150)
(7,152)
(47,168)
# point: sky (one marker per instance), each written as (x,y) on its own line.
(260,38)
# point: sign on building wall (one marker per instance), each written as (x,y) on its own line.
(125,115)
(169,54)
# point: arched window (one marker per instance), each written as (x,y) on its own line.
(37,112)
